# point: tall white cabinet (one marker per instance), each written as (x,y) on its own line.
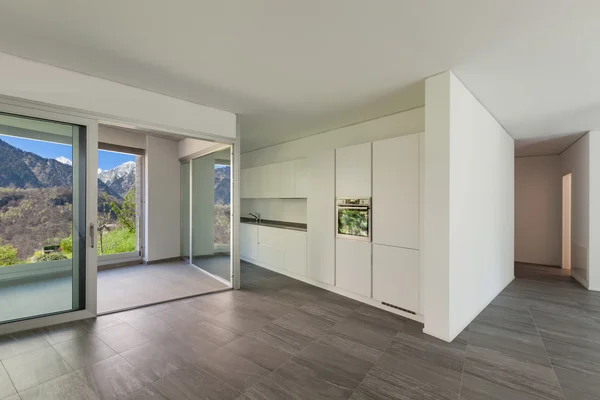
(353,171)
(320,213)
(396,272)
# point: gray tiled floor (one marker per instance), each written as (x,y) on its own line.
(281,339)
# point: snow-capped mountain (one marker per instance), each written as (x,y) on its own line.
(121,178)
(64,160)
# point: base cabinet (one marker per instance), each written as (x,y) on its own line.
(274,247)
(353,266)
(396,276)
(249,241)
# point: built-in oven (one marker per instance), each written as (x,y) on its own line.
(354,219)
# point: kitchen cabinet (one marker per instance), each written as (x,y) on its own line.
(320,213)
(353,266)
(280,180)
(295,251)
(301,178)
(396,192)
(396,276)
(249,241)
(274,247)
(287,187)
(353,171)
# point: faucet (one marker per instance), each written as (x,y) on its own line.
(256,217)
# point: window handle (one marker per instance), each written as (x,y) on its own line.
(92,235)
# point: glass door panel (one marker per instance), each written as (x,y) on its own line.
(211,213)
(42,217)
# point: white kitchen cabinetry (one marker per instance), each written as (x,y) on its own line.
(353,171)
(276,247)
(249,241)
(320,210)
(301,178)
(353,266)
(295,251)
(396,276)
(396,192)
(287,178)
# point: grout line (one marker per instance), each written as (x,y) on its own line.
(546,351)
(10,378)
(462,374)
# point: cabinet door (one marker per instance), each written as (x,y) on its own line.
(320,208)
(287,178)
(249,241)
(396,192)
(271,181)
(353,171)
(301,178)
(271,249)
(295,251)
(353,266)
(396,276)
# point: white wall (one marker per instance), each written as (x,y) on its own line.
(576,160)
(288,210)
(187,147)
(402,123)
(162,229)
(120,137)
(538,210)
(469,207)
(44,83)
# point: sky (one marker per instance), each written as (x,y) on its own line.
(106,159)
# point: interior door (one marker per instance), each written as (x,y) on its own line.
(47,214)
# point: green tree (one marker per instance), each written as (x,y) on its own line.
(8,255)
(126,211)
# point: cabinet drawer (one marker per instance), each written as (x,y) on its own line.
(396,276)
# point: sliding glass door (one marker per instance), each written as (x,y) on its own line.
(206,213)
(43,227)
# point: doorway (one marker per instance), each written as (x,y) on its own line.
(566,222)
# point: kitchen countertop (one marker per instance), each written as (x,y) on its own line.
(295,226)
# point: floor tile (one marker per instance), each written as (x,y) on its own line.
(21,343)
(67,387)
(331,309)
(277,389)
(212,332)
(13,397)
(577,385)
(280,338)
(63,332)
(259,353)
(6,386)
(382,384)
(122,337)
(350,347)
(94,325)
(357,331)
(304,323)
(579,358)
(242,321)
(189,345)
(154,360)
(83,351)
(234,370)
(292,297)
(36,367)
(113,378)
(323,383)
(333,365)
(475,387)
(146,393)
(126,316)
(152,326)
(193,383)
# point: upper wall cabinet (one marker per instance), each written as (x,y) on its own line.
(353,171)
(396,192)
(280,180)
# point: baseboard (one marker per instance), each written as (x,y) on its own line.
(163,260)
(457,332)
(337,290)
(580,279)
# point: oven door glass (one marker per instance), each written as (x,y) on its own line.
(353,221)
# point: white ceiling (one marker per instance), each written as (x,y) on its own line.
(294,68)
(547,145)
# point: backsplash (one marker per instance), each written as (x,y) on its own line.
(288,210)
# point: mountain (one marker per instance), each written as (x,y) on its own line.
(26,170)
(64,160)
(223,185)
(120,179)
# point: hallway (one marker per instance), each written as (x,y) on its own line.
(279,338)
